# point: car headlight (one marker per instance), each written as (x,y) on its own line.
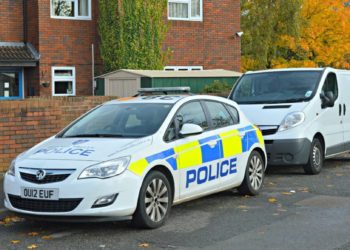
(106,169)
(12,168)
(292,120)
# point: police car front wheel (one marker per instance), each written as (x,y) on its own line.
(254,175)
(155,200)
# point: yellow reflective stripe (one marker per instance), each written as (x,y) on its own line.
(231,143)
(259,135)
(138,167)
(190,154)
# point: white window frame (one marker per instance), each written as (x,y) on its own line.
(198,19)
(76,11)
(179,68)
(63,78)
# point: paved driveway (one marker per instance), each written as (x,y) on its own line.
(295,211)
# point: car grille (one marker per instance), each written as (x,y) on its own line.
(52,175)
(47,179)
(268,130)
(62,205)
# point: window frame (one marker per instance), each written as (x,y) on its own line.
(181,68)
(63,78)
(336,82)
(201,102)
(76,11)
(193,19)
(227,106)
(210,123)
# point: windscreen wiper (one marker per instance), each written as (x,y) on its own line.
(94,136)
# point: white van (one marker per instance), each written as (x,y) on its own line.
(302,113)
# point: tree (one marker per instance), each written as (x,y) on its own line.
(264,22)
(324,38)
(132,33)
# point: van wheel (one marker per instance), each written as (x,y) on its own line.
(254,175)
(154,203)
(316,158)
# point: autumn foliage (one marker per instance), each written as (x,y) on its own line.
(321,38)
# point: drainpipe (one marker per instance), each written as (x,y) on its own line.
(25,22)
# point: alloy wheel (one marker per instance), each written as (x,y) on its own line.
(156,200)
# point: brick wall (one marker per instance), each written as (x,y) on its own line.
(64,42)
(11,20)
(25,123)
(210,43)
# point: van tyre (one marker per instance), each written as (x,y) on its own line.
(154,203)
(316,158)
(254,175)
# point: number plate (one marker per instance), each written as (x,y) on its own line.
(39,193)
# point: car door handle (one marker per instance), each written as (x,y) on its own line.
(241,134)
(344,109)
(339,109)
(212,144)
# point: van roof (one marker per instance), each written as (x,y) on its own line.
(285,69)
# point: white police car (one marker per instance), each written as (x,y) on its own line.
(136,157)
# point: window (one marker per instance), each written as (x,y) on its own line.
(183,68)
(71,9)
(234,114)
(63,81)
(120,121)
(219,115)
(185,10)
(331,85)
(192,113)
(10,84)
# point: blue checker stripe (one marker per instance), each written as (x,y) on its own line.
(211,153)
(163,155)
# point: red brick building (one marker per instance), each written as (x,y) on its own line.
(47,47)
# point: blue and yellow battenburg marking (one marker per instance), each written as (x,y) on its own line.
(195,153)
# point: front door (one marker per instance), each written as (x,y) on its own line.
(10,84)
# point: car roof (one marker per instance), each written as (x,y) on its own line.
(166,99)
(149,99)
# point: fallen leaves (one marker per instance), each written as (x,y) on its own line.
(8,220)
(46,237)
(272,200)
(15,242)
(32,246)
(144,245)
(33,234)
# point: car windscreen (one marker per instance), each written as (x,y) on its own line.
(276,87)
(127,120)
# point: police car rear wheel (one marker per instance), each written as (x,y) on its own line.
(254,175)
(154,201)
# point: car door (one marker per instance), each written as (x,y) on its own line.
(331,117)
(193,153)
(224,119)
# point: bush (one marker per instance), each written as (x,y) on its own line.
(217,87)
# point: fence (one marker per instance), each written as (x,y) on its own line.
(26,122)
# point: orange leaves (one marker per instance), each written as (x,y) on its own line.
(324,36)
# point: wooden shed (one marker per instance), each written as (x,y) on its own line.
(126,82)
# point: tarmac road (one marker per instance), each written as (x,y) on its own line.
(294,211)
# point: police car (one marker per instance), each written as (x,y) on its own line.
(133,158)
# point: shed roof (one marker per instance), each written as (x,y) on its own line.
(18,54)
(175,74)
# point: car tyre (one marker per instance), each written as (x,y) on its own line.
(316,158)
(155,201)
(254,175)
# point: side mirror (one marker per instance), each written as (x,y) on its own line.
(327,99)
(190,129)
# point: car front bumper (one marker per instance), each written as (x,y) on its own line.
(288,152)
(126,186)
